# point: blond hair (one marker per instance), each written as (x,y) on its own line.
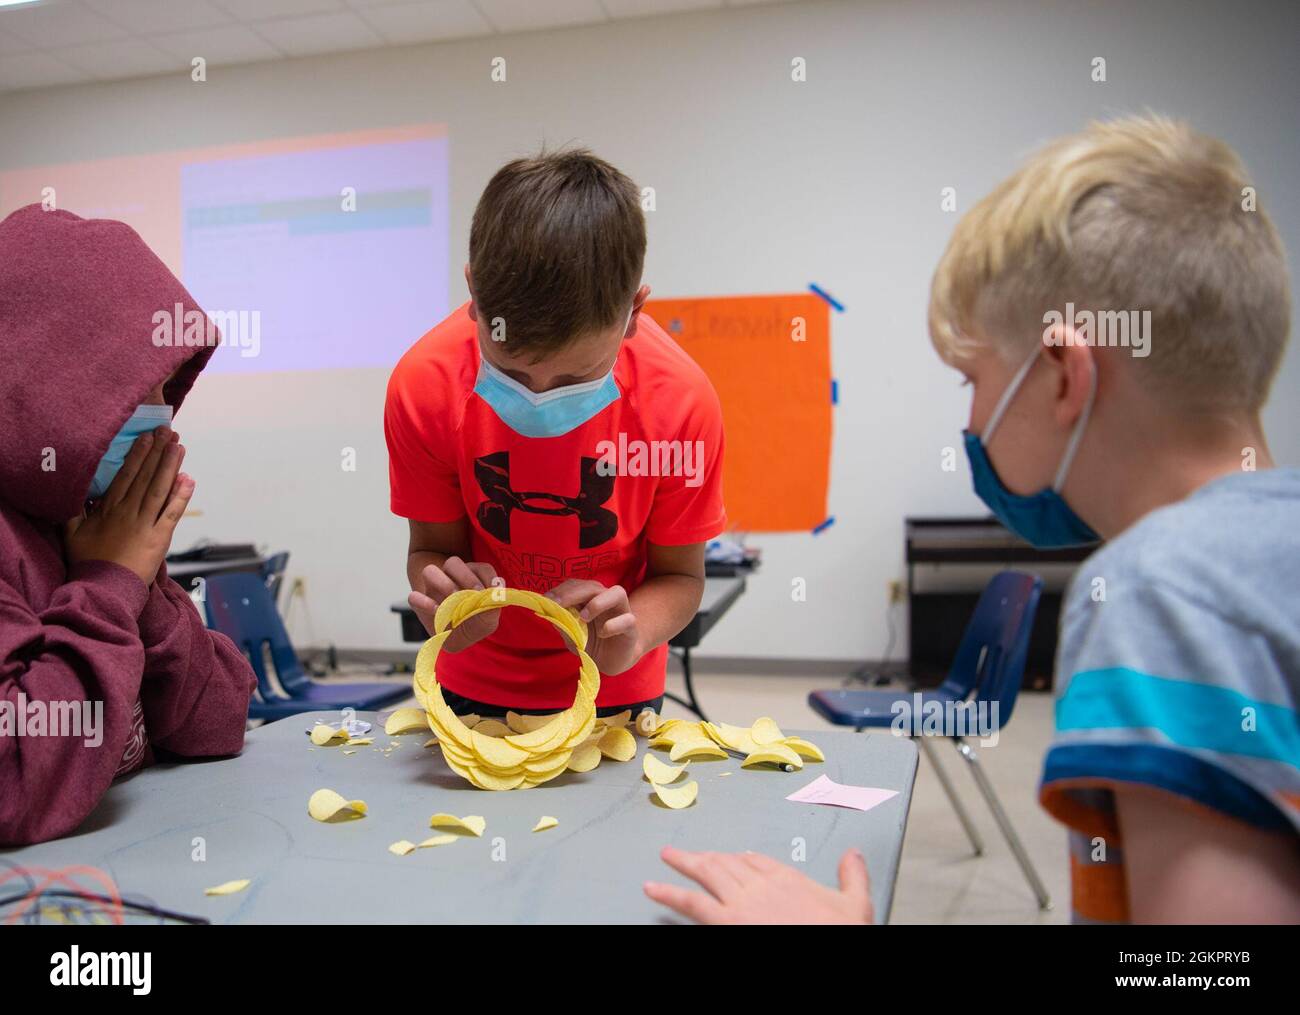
(1137,214)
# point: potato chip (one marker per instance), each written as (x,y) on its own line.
(620,720)
(765,731)
(804,749)
(677,797)
(585,758)
(321,734)
(406,720)
(619,744)
(773,754)
(326,805)
(401,847)
(438,840)
(349,752)
(545,822)
(360,741)
(696,749)
(657,773)
(493,728)
(431,742)
(228,887)
(472,823)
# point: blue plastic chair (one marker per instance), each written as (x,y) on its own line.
(240,606)
(272,572)
(989,665)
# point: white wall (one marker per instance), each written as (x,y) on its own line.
(763,185)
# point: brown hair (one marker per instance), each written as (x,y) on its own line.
(556,249)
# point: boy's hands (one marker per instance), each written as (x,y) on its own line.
(133,524)
(440,582)
(752,888)
(615,639)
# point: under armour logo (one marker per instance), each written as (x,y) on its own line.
(595,523)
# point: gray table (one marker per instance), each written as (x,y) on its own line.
(251,811)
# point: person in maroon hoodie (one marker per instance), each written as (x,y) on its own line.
(90,493)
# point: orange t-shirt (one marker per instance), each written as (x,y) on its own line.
(541,511)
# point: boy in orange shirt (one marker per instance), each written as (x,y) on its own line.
(548,436)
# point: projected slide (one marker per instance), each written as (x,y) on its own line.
(309,253)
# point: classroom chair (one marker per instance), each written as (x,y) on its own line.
(240,606)
(272,572)
(990,664)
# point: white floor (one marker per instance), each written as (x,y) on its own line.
(939,879)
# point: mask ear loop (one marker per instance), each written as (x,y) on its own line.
(1000,409)
(1075,438)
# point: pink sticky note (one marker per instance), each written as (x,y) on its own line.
(823,790)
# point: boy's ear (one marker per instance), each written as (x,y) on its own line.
(638,304)
(469,284)
(1075,366)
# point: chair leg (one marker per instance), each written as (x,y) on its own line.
(1004,823)
(976,842)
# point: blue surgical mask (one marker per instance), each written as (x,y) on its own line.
(145,419)
(550,413)
(1043,518)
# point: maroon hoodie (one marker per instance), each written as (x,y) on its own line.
(77,304)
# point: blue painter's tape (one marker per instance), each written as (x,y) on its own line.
(824,526)
(835,391)
(826,296)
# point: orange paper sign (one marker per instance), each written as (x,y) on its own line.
(769,358)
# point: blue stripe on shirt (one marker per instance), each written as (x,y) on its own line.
(1192,715)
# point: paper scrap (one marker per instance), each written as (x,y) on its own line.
(326,805)
(228,887)
(824,790)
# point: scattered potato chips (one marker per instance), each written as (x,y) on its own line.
(657,773)
(584,758)
(326,805)
(228,887)
(321,734)
(773,754)
(804,749)
(406,720)
(545,822)
(402,847)
(696,749)
(678,797)
(472,823)
(526,750)
(765,731)
(360,741)
(618,743)
(438,840)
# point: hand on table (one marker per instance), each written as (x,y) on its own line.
(133,523)
(440,582)
(613,639)
(752,888)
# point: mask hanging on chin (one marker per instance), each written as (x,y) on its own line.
(548,413)
(146,418)
(1043,519)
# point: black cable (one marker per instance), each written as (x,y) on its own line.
(139,907)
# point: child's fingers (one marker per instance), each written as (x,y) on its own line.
(72,525)
(425,608)
(117,489)
(437,585)
(575,591)
(163,485)
(459,572)
(175,509)
(485,573)
(624,623)
(611,601)
(162,440)
(693,905)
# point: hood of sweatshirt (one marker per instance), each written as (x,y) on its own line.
(81,346)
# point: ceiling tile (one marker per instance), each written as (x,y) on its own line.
(36,70)
(235,44)
(265,10)
(60,23)
(425,21)
(524,15)
(152,17)
(323,33)
(121,58)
